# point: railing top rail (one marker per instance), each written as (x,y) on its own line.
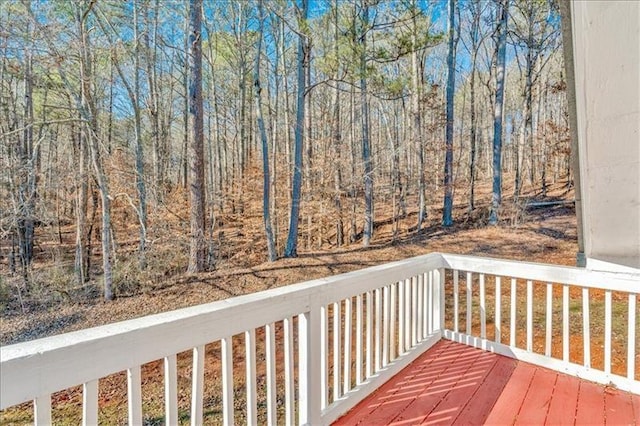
(66,360)
(615,281)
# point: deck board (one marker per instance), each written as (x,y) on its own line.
(456,384)
(590,404)
(618,408)
(565,399)
(478,408)
(506,409)
(538,399)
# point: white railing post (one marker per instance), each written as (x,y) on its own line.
(270,360)
(369,336)
(456,301)
(324,368)
(631,337)
(170,390)
(289,388)
(90,403)
(498,319)
(197,385)
(438,300)
(392,321)
(586,330)
(347,346)
(134,395)
(337,350)
(529,316)
(251,385)
(442,273)
(42,410)
(359,339)
(400,317)
(309,367)
(226,349)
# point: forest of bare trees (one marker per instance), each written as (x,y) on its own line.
(134,134)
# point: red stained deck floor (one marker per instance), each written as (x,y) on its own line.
(456,384)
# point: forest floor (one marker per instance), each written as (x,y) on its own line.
(536,233)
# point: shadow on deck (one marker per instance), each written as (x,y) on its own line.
(457,384)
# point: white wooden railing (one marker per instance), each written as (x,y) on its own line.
(311,351)
(561,307)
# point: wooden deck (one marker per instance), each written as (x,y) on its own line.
(456,384)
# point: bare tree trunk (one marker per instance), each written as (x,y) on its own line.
(27,189)
(186,106)
(417,126)
(337,144)
(266,182)
(291,249)
(473,137)
(153,104)
(353,234)
(447,213)
(197,252)
(496,198)
(82,274)
(367,232)
(134,98)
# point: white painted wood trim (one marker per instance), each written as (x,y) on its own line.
(346,375)
(197,385)
(469,284)
(337,351)
(226,348)
(308,367)
(369,336)
(170,389)
(42,410)
(586,329)
(324,356)
(483,308)
(63,361)
(420,308)
(289,373)
(629,282)
(430,302)
(456,300)
(441,298)
(400,317)
(572,369)
(498,314)
(607,331)
(414,311)
(272,386)
(393,289)
(529,316)
(512,314)
(565,323)
(548,320)
(426,307)
(359,348)
(385,326)
(134,395)
(407,314)
(251,382)
(631,337)
(378,330)
(90,403)
(305,388)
